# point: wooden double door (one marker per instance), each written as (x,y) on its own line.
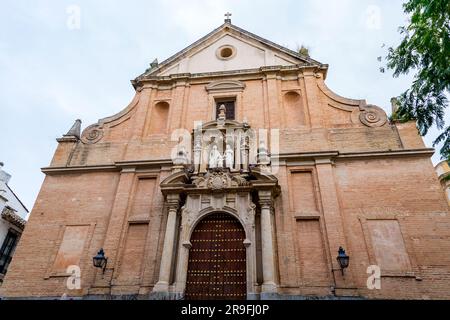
(217,260)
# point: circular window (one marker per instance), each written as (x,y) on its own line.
(226,52)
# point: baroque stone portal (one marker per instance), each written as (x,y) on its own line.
(229,182)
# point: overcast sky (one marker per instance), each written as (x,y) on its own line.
(53,71)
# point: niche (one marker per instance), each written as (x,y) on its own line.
(159,118)
(294,114)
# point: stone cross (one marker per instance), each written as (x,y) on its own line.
(227,16)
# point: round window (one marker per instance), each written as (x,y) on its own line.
(226,52)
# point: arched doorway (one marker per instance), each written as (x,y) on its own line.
(217,259)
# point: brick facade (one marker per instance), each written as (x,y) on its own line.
(347,177)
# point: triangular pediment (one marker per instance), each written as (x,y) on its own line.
(228,48)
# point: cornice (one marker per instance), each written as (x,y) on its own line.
(336,155)
(78,169)
(281,158)
(261,72)
(424,152)
(125,166)
(143,163)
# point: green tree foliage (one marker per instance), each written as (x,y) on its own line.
(425,50)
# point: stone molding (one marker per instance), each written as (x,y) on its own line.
(265,199)
(225,85)
(283,157)
(173,201)
(220,179)
(256,73)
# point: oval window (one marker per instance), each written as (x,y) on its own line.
(226,52)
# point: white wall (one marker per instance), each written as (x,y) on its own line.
(248,56)
(7,198)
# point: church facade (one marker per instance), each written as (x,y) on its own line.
(236,173)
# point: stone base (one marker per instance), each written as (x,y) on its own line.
(180,296)
(269,296)
(161,287)
(269,287)
(253,296)
(277,296)
(165,295)
(346,292)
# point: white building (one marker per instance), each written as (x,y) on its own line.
(12,221)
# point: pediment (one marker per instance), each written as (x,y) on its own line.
(219,179)
(263,175)
(225,85)
(244,50)
(177,178)
(227,124)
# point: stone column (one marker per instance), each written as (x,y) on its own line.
(173,201)
(268,260)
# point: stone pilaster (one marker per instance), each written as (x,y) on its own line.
(111,243)
(267,246)
(173,203)
(334,225)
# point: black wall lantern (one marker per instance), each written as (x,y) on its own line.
(343,259)
(100,260)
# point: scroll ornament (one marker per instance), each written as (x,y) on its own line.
(92,134)
(372,116)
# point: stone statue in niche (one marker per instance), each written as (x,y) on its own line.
(222,112)
(229,157)
(215,158)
